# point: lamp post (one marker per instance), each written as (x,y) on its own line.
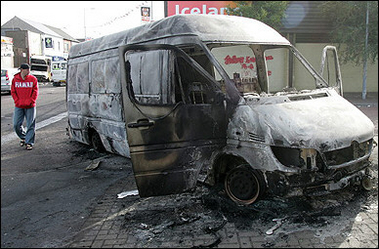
(85,33)
(364,90)
(151,11)
(85,27)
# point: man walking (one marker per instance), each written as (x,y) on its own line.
(24,92)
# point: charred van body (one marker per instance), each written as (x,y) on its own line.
(209,98)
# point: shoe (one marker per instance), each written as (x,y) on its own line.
(29,147)
(22,143)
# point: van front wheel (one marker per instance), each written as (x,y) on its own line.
(244,185)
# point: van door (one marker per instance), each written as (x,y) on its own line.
(175,117)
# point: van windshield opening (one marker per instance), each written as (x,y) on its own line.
(39,68)
(273,70)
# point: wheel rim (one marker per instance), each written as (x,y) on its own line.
(96,142)
(242,186)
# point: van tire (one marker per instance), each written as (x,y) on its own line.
(244,185)
(96,142)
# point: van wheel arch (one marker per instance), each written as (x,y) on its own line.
(242,183)
(95,140)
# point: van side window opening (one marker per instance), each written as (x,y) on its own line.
(104,76)
(71,77)
(151,76)
(98,77)
(200,89)
(79,74)
(196,86)
(175,79)
(82,79)
(199,56)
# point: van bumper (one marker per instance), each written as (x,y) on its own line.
(42,78)
(59,83)
(316,184)
(6,88)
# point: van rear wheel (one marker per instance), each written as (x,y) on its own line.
(244,185)
(96,142)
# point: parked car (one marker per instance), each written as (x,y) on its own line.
(6,79)
(58,73)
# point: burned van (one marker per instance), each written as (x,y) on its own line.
(221,99)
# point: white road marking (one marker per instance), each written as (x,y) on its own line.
(7,138)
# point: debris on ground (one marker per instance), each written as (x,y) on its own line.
(279,222)
(94,165)
(127,193)
(205,212)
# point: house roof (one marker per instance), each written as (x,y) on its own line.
(62,33)
(25,24)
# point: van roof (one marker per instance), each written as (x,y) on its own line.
(208,28)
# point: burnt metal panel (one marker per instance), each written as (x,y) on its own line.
(94,100)
(207,28)
(170,153)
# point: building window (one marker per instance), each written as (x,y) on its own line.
(48,42)
(66,48)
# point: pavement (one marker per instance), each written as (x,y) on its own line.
(114,222)
(371,99)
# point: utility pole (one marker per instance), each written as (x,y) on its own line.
(85,26)
(364,91)
(151,11)
(85,32)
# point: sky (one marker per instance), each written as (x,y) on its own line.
(76,18)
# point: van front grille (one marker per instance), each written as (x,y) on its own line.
(354,151)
